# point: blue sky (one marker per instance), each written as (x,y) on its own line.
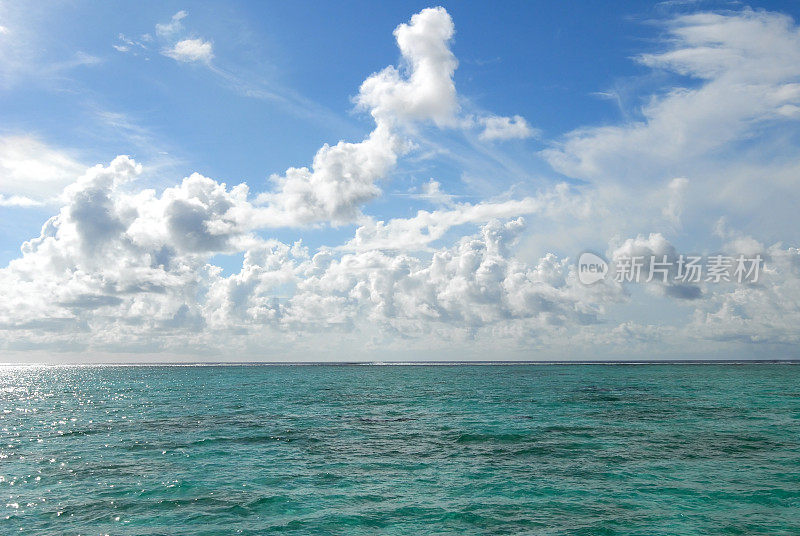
(662,128)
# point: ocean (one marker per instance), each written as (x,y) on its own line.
(495,449)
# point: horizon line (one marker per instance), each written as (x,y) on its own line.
(775,361)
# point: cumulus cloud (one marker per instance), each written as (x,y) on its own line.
(118,263)
(659,265)
(120,267)
(190,50)
(765,314)
(118,251)
(344,177)
(473,284)
(422,89)
(341,180)
(505,128)
(425,91)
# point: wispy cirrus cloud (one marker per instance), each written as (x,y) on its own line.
(18,201)
(173,27)
(32,172)
(28,55)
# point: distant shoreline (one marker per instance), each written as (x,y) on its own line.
(407,363)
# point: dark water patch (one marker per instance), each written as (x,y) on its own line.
(270,503)
(382,420)
(81,432)
(492,438)
(194,502)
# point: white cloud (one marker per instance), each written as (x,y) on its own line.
(418,232)
(505,128)
(423,88)
(676,193)
(748,64)
(172,27)
(191,50)
(17,201)
(433,193)
(173,40)
(343,177)
(656,247)
(428,91)
(31,170)
(763,315)
(723,132)
(133,265)
(475,283)
(127,44)
(123,268)
(120,256)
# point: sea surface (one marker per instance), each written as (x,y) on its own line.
(524,449)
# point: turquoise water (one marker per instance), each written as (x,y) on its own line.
(656,449)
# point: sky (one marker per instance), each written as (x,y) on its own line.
(278,181)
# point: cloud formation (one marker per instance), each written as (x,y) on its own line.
(747,67)
(190,50)
(31,172)
(117,264)
(121,268)
(17,201)
(505,128)
(427,90)
(174,42)
(345,176)
(174,26)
